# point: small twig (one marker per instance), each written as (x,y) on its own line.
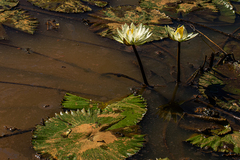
(207,38)
(227,39)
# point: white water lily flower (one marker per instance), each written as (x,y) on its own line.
(132,35)
(180,34)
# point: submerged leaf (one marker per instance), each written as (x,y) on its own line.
(221,86)
(84,135)
(105,22)
(171,110)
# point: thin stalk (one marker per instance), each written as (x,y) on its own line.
(175,92)
(140,65)
(178,62)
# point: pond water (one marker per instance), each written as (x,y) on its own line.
(74,59)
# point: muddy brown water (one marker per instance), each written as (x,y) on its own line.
(73,59)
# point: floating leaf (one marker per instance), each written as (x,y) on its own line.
(132,108)
(7,4)
(222,85)
(71,101)
(174,7)
(170,110)
(227,143)
(96,3)
(227,14)
(68,6)
(84,135)
(20,20)
(105,22)
(233,105)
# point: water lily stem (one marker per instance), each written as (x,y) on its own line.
(178,62)
(175,92)
(140,65)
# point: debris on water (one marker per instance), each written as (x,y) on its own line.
(12,129)
(46,106)
(52,24)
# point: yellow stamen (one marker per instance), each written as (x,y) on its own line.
(132,31)
(180,31)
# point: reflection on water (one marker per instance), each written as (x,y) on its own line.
(37,70)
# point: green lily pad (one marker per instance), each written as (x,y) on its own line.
(184,7)
(84,135)
(71,101)
(105,22)
(133,108)
(20,20)
(7,4)
(227,143)
(232,47)
(222,86)
(67,6)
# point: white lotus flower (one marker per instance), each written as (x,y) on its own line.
(180,34)
(132,35)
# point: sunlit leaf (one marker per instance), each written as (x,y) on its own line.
(133,108)
(71,101)
(175,7)
(171,110)
(20,20)
(227,14)
(227,143)
(7,4)
(105,22)
(84,135)
(68,6)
